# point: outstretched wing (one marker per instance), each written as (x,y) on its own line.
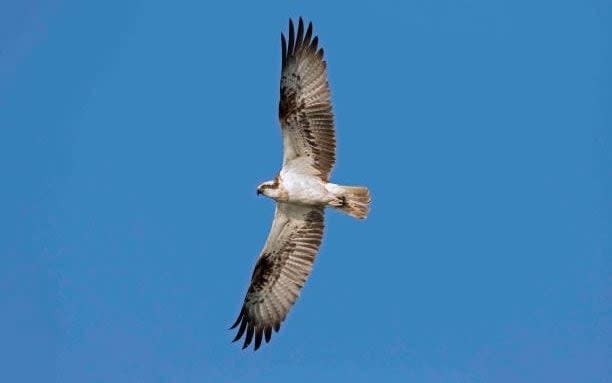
(280,272)
(305,110)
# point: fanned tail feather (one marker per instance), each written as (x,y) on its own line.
(354,201)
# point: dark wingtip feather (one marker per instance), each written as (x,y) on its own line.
(258,336)
(284,48)
(308,34)
(291,37)
(268,333)
(240,331)
(315,43)
(300,34)
(238,320)
(249,336)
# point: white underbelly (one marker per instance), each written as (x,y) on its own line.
(305,189)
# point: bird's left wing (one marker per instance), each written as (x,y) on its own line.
(305,109)
(281,270)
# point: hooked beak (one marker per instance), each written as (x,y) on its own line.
(258,191)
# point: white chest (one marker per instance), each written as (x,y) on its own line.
(303,189)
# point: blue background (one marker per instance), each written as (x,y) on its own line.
(133,135)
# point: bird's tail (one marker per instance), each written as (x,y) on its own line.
(352,200)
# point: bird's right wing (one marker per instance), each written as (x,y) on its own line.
(281,270)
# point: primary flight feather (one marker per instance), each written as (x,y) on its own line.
(301,189)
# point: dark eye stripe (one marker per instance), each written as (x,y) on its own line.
(271,186)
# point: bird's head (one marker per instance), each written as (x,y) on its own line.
(269,188)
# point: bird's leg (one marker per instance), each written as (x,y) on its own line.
(338,202)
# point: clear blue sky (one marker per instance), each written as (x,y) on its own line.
(133,135)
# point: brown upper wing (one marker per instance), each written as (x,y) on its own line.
(305,109)
(281,270)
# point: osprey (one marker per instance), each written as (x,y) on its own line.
(301,189)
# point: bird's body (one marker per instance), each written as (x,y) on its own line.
(301,189)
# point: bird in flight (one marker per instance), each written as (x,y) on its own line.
(301,189)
